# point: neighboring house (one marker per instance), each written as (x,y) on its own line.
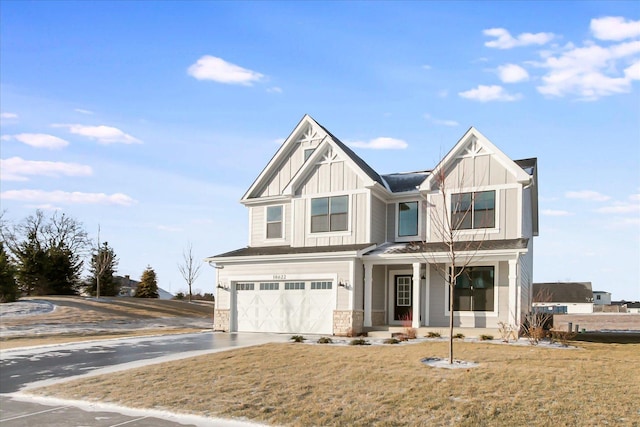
(128,288)
(601,298)
(633,307)
(336,248)
(563,297)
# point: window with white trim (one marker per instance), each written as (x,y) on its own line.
(329,214)
(269,286)
(407,219)
(474,289)
(244,286)
(473,210)
(289,286)
(274,222)
(321,285)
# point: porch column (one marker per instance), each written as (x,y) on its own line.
(427,293)
(513,292)
(416,296)
(368,281)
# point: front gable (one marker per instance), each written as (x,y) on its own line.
(472,163)
(311,154)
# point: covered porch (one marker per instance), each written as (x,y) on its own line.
(406,287)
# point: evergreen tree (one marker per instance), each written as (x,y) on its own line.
(103,265)
(8,284)
(32,264)
(148,287)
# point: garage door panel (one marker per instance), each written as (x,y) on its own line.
(285,310)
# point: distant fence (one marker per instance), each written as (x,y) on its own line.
(598,321)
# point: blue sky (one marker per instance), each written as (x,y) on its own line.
(151,120)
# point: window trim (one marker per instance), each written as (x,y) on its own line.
(496,292)
(497,205)
(317,234)
(267,222)
(413,237)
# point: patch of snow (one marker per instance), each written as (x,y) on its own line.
(438,362)
(25,308)
(197,420)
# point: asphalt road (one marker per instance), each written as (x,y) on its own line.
(20,369)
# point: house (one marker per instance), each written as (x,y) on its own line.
(633,307)
(336,248)
(563,297)
(601,298)
(128,287)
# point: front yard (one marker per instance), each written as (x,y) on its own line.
(300,384)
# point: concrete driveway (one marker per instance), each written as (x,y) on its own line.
(21,369)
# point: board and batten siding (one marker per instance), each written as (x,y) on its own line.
(378,220)
(357,229)
(279,180)
(292,270)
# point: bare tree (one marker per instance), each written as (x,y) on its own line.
(447,224)
(189,269)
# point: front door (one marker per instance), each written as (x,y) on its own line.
(403,298)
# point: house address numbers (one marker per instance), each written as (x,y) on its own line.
(279,277)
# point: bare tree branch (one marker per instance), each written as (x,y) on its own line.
(189,269)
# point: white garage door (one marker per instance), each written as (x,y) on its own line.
(285,307)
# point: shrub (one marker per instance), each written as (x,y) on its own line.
(563,337)
(485,337)
(298,338)
(433,334)
(324,340)
(359,341)
(458,336)
(392,341)
(507,331)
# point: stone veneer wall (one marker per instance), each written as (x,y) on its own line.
(378,318)
(348,322)
(221,319)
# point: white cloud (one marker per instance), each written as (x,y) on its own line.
(441,122)
(620,208)
(489,93)
(381,143)
(8,116)
(512,73)
(593,196)
(217,69)
(274,89)
(614,28)
(82,111)
(18,169)
(103,134)
(443,93)
(38,140)
(279,141)
(504,40)
(168,228)
(64,197)
(590,71)
(426,67)
(552,212)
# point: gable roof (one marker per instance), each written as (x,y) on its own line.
(474,136)
(569,292)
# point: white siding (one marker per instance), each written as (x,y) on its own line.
(378,220)
(257,215)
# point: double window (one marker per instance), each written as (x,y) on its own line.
(474,289)
(473,210)
(407,219)
(329,214)
(274,222)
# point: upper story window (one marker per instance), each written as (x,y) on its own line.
(274,222)
(473,210)
(307,153)
(329,214)
(474,289)
(407,219)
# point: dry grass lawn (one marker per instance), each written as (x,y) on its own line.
(299,384)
